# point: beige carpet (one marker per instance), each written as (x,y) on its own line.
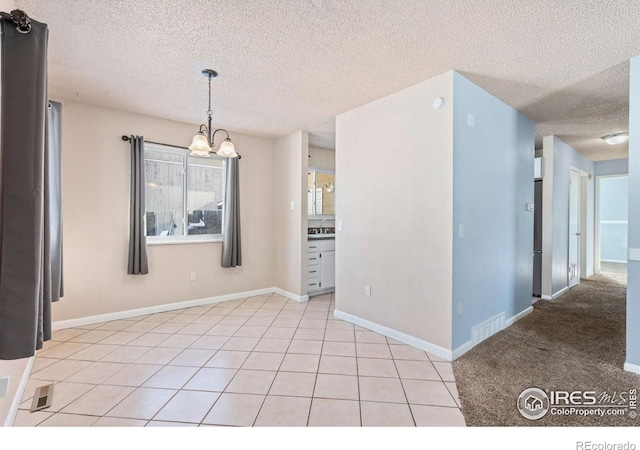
(616,271)
(576,342)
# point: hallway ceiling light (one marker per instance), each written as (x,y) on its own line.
(617,138)
(201,146)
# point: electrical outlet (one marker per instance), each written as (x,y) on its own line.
(367,290)
(460,308)
(193,276)
(4,385)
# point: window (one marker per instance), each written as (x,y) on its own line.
(183,196)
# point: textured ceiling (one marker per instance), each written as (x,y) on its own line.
(287,65)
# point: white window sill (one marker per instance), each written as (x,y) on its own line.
(183,240)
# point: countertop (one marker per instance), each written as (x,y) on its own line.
(317,237)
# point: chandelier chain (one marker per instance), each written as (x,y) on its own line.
(209,112)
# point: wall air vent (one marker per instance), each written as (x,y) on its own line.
(487,329)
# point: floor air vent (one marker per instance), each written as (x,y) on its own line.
(487,329)
(42,398)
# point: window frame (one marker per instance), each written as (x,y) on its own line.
(183,239)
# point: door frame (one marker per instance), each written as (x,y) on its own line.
(582,224)
(584,221)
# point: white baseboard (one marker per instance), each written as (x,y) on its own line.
(291,295)
(70,323)
(510,321)
(632,368)
(15,404)
(395,334)
(556,295)
(560,292)
(464,348)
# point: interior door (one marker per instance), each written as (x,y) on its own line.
(537,239)
(574,229)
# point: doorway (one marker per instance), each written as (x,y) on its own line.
(612,193)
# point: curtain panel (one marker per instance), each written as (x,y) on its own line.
(30,193)
(231,242)
(138,264)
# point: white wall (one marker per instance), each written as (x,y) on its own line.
(15,370)
(96,214)
(558,160)
(8,6)
(289,180)
(320,158)
(394,167)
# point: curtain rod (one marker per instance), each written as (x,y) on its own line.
(127,139)
(20,19)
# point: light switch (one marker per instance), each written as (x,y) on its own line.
(193,276)
(461,231)
(529,206)
(4,385)
(293,205)
(471,120)
(339,225)
(367,290)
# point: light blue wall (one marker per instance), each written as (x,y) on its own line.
(633,267)
(611,167)
(492,183)
(565,157)
(614,202)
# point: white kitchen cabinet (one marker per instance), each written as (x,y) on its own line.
(321,266)
(328,269)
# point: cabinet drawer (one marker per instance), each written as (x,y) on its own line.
(313,247)
(313,284)
(313,259)
(313,271)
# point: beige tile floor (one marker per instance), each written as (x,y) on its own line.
(260,361)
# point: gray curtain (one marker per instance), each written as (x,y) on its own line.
(231,248)
(53,286)
(138,264)
(30,195)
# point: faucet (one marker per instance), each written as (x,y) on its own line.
(322,223)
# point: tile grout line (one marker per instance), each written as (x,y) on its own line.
(237,370)
(199,367)
(355,345)
(403,388)
(272,381)
(315,383)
